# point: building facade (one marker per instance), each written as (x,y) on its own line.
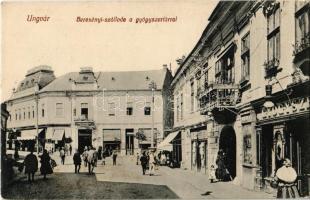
(110,110)
(251,71)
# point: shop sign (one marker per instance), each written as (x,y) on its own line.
(283,109)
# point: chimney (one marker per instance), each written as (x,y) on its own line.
(165,66)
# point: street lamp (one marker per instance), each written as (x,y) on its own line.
(268,88)
(152,86)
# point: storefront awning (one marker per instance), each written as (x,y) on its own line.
(58,134)
(165,144)
(111,135)
(68,133)
(49,133)
(29,134)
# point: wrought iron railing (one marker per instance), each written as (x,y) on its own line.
(219,96)
(302,44)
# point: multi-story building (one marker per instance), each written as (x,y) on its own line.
(112,110)
(250,70)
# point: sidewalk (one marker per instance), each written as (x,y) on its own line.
(186,184)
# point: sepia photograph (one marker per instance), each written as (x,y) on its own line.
(157,99)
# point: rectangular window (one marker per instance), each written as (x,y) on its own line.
(74,112)
(42,110)
(59,109)
(129,109)
(245,57)
(24,113)
(111,109)
(224,68)
(15,114)
(19,114)
(182,109)
(32,111)
(178,108)
(274,35)
(28,112)
(302,29)
(147,109)
(192,96)
(84,110)
(206,79)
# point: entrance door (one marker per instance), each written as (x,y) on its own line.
(228,145)
(129,142)
(85,139)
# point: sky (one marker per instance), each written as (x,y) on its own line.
(67,45)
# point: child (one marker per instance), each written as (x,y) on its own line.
(212,174)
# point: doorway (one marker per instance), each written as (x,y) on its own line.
(129,141)
(85,139)
(228,144)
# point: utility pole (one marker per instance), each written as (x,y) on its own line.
(152,86)
(37,114)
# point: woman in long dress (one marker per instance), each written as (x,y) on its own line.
(45,164)
(286,177)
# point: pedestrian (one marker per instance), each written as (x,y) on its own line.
(70,149)
(285,181)
(62,155)
(31,165)
(77,161)
(221,171)
(66,149)
(212,176)
(91,160)
(151,163)
(138,156)
(143,161)
(45,164)
(114,157)
(84,156)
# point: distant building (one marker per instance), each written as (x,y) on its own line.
(102,109)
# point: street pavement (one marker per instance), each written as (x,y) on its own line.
(125,180)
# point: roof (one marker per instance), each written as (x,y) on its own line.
(122,80)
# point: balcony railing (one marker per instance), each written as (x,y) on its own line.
(82,118)
(302,45)
(219,96)
(271,67)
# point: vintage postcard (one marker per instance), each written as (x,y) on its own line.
(156,99)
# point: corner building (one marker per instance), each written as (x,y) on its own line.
(250,73)
(102,109)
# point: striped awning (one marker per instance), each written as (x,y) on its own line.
(166,143)
(58,134)
(29,134)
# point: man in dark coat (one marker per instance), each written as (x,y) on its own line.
(144,162)
(77,161)
(31,165)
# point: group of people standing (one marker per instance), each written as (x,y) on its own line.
(148,158)
(31,165)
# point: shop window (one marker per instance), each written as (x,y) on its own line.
(247,149)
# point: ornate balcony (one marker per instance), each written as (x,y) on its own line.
(272,67)
(218,97)
(84,121)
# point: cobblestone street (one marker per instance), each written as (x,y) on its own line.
(125,180)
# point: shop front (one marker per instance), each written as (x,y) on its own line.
(283,132)
(199,149)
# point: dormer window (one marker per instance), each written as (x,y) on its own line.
(85,78)
(147,78)
(113,79)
